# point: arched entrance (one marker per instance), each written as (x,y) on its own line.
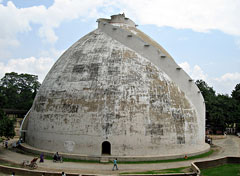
(106,148)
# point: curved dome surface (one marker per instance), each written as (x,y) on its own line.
(104,97)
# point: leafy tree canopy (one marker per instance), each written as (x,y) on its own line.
(17,91)
(6,126)
(221,110)
(206,91)
(236,93)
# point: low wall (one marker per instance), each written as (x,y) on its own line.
(197,166)
(173,174)
(30,149)
(22,171)
(215,137)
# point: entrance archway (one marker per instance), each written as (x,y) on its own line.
(106,148)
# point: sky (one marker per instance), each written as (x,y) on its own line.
(203,36)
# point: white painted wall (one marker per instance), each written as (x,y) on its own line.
(110,87)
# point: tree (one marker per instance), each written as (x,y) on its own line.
(236,98)
(225,109)
(6,126)
(213,116)
(18,90)
(236,93)
(221,110)
(207,92)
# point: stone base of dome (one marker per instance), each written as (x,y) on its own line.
(204,148)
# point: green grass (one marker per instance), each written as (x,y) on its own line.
(71,160)
(48,157)
(164,171)
(226,169)
(137,162)
(170,160)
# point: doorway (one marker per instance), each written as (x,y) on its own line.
(106,148)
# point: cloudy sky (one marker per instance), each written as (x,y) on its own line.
(203,36)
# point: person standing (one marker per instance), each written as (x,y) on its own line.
(6,144)
(41,158)
(115,164)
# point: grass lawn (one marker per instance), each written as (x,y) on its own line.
(210,152)
(139,162)
(224,170)
(164,171)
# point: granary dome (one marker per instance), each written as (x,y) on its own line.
(117,92)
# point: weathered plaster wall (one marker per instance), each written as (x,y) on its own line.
(148,48)
(100,90)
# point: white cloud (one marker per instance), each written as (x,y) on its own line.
(229,76)
(11,24)
(16,20)
(223,84)
(199,15)
(37,66)
(227,82)
(52,53)
(195,73)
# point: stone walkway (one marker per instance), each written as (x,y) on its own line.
(229,146)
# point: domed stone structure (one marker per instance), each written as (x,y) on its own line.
(117,92)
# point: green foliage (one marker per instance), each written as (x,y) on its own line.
(6,126)
(236,100)
(226,169)
(236,93)
(17,91)
(208,92)
(221,110)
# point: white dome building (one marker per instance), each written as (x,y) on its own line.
(117,93)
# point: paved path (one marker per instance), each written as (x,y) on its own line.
(229,146)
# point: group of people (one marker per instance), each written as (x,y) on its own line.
(14,143)
(57,157)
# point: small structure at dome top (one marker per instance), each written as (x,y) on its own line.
(110,95)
